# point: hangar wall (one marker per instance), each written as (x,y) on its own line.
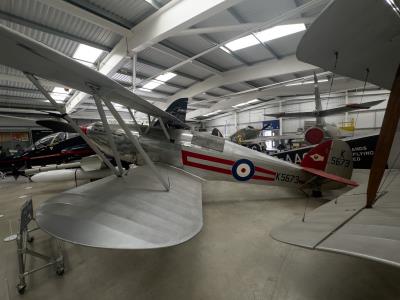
(366,121)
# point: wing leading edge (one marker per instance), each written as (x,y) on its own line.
(131,212)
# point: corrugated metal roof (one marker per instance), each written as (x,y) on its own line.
(223,59)
(261,10)
(288,45)
(133,11)
(38,12)
(158,57)
(192,43)
(254,54)
(65,46)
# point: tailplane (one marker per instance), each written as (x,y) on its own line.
(331,160)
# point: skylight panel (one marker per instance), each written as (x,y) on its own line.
(165,77)
(244,42)
(159,80)
(87,54)
(152,84)
(264,36)
(59,94)
(279,31)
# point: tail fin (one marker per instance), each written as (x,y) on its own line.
(331,160)
(178,109)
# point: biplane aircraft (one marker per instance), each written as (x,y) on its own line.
(158,203)
(364,222)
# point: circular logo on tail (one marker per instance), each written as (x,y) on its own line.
(243,169)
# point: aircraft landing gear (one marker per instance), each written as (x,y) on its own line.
(23,238)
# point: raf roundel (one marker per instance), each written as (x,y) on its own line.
(243,169)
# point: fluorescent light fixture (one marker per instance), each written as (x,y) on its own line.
(240,104)
(212,113)
(266,35)
(87,54)
(159,80)
(394,6)
(246,103)
(306,82)
(59,94)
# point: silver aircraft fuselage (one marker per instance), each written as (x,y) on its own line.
(207,156)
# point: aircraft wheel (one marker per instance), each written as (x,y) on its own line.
(60,270)
(316,194)
(31,239)
(21,288)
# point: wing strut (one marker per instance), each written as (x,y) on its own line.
(37,84)
(136,143)
(102,114)
(164,129)
(134,120)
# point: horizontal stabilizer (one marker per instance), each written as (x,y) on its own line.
(304,114)
(349,107)
(330,176)
(128,212)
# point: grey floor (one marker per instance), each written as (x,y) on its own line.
(233,257)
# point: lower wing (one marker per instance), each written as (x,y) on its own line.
(130,212)
(345,226)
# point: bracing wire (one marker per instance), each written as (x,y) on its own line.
(333,77)
(362,96)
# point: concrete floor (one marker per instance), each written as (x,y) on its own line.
(233,257)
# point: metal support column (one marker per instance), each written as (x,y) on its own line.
(134,61)
(136,143)
(103,117)
(70,121)
(164,129)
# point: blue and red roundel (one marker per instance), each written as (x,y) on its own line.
(243,169)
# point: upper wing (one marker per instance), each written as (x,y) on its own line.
(345,226)
(25,54)
(375,48)
(292,115)
(349,107)
(128,212)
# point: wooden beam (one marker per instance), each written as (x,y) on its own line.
(385,140)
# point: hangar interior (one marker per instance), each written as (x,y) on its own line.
(235,62)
